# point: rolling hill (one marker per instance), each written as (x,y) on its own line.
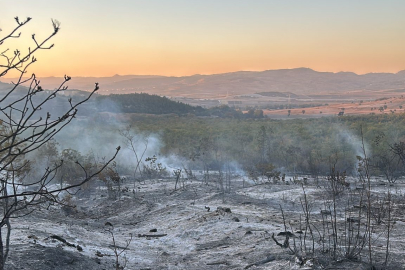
(300,81)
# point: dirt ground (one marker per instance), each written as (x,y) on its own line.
(176,230)
(392,105)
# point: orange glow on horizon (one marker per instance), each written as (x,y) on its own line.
(183,38)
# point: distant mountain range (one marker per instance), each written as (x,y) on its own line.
(301,81)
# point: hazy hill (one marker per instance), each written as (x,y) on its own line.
(4,86)
(299,81)
(144,103)
(117,103)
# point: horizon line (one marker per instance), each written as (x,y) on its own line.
(209,74)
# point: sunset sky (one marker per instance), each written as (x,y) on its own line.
(185,37)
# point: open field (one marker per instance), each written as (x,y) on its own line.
(379,106)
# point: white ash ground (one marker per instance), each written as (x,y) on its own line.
(195,238)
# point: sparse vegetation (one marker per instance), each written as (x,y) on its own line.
(24,128)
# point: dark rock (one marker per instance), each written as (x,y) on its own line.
(353,220)
(287,233)
(224,209)
(108,224)
(99,254)
(325,212)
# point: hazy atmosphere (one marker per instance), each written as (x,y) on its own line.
(139,135)
(180,37)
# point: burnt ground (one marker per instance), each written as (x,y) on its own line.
(174,230)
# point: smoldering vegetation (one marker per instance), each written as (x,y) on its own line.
(254,148)
(322,192)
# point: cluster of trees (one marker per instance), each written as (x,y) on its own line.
(138,103)
(154,104)
(144,103)
(70,173)
(304,146)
